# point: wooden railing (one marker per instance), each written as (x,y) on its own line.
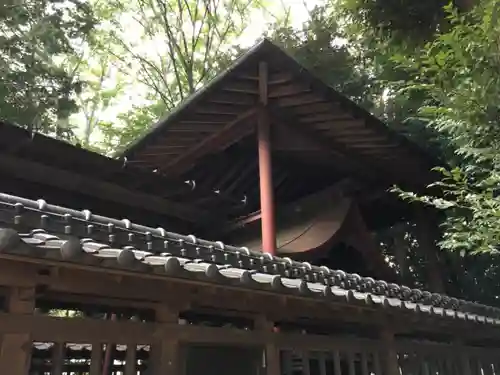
(77,346)
(37,344)
(411,358)
(74,347)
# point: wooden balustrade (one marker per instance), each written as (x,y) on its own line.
(37,344)
(75,346)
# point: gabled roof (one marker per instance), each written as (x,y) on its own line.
(37,231)
(47,166)
(335,128)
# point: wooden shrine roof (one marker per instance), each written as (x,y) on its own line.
(36,166)
(34,231)
(319,136)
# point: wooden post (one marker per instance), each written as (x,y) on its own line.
(265,167)
(271,351)
(15,354)
(96,359)
(131,360)
(58,359)
(107,366)
(462,358)
(165,350)
(391,356)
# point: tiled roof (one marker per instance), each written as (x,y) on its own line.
(37,229)
(88,347)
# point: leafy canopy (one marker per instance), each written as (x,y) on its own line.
(458,73)
(36,88)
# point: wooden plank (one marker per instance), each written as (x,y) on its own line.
(165,351)
(280,77)
(322,363)
(390,353)
(346,161)
(287,89)
(241,87)
(96,359)
(306,369)
(39,173)
(15,352)
(233,99)
(330,111)
(351,363)
(57,359)
(130,360)
(300,100)
(329,117)
(207,145)
(376,363)
(77,330)
(337,369)
(265,327)
(218,109)
(364,363)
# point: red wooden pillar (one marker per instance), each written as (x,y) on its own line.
(265,167)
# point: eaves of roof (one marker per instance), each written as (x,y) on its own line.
(366,140)
(35,229)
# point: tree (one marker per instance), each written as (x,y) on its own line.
(459,74)
(321,46)
(177,47)
(36,38)
(456,78)
(404,21)
(103,89)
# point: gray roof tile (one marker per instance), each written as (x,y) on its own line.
(37,229)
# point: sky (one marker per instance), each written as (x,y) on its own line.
(298,15)
(257,25)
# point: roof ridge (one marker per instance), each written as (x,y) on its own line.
(39,215)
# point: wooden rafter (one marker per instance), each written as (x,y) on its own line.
(71,181)
(344,162)
(360,164)
(225,136)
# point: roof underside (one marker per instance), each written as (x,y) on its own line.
(38,166)
(318,136)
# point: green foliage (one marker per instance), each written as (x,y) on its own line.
(176,48)
(405,21)
(36,90)
(133,123)
(321,46)
(458,72)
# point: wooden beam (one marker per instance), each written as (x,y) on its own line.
(361,165)
(290,89)
(15,349)
(134,290)
(223,137)
(165,357)
(300,100)
(343,161)
(266,185)
(233,99)
(74,182)
(241,87)
(271,350)
(390,353)
(217,109)
(330,109)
